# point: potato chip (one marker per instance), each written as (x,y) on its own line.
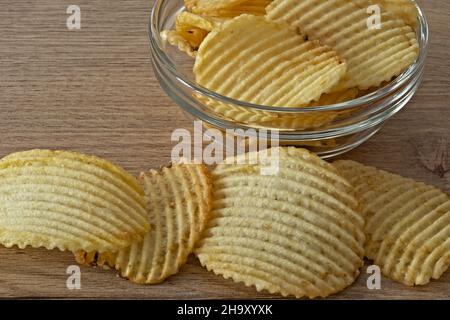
(178,201)
(313,120)
(174,38)
(253,7)
(324,143)
(69,201)
(254,60)
(190,30)
(404,9)
(194,37)
(407,223)
(188,20)
(104,260)
(205,6)
(194,28)
(373,55)
(336,97)
(296,232)
(265,119)
(233,112)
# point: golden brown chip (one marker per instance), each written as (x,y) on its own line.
(261,62)
(69,201)
(286,121)
(188,20)
(190,30)
(205,6)
(194,28)
(178,201)
(296,232)
(105,260)
(336,97)
(373,55)
(253,7)
(174,38)
(407,223)
(315,119)
(404,9)
(194,37)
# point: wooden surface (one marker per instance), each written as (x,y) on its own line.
(94,91)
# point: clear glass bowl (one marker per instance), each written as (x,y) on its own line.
(327,130)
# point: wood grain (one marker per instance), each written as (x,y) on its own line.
(94,91)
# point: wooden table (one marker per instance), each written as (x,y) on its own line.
(93,90)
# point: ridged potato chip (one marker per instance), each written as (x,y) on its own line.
(262,62)
(178,201)
(205,6)
(253,7)
(246,142)
(69,201)
(336,97)
(265,119)
(404,9)
(233,112)
(373,55)
(407,223)
(297,232)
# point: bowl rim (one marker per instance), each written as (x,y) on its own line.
(399,81)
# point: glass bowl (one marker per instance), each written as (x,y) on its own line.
(327,130)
